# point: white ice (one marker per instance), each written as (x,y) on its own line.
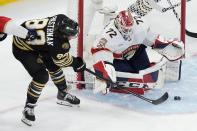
(113,112)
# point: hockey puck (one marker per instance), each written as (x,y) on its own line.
(177,98)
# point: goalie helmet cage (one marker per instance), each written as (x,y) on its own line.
(77,8)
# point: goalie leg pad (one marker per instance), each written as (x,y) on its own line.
(153,76)
(173,70)
(104,70)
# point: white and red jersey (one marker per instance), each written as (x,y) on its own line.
(111,43)
(8,26)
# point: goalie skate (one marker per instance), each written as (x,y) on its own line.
(66,99)
(28,114)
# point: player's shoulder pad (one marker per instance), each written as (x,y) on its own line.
(110,31)
(139,21)
(140,24)
(108,37)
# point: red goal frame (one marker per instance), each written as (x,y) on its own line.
(80,76)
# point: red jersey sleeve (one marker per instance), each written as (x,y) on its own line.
(3,21)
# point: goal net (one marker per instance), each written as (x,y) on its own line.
(170,24)
(74,9)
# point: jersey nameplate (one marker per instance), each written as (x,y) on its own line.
(50,29)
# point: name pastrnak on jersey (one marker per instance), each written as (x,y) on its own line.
(47,41)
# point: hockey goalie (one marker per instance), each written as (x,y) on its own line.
(120,55)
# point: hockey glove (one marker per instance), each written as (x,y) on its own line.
(31,35)
(78,64)
(2,36)
(107,71)
(171,49)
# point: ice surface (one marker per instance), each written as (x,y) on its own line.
(113,112)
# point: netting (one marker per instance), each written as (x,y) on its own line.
(166,24)
(73,11)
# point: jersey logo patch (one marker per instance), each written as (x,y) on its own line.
(102,43)
(65,46)
(61,56)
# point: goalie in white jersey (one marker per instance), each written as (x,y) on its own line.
(120,55)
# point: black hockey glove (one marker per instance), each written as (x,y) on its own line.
(78,64)
(2,36)
(31,35)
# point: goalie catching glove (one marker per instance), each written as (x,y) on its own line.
(107,71)
(171,49)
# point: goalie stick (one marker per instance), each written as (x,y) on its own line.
(160,100)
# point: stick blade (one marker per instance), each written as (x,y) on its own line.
(160,100)
(191,34)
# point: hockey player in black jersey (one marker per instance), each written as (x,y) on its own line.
(45,56)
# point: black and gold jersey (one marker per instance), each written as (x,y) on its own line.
(47,41)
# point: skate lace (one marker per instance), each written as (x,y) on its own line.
(30,111)
(69,96)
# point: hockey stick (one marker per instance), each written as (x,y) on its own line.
(79,82)
(119,84)
(138,88)
(160,100)
(189,33)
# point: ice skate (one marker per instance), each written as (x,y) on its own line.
(28,114)
(66,99)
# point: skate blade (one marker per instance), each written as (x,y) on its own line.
(27,122)
(65,103)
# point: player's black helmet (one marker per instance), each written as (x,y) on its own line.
(67,27)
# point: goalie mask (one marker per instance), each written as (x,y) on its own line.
(124,23)
(67,28)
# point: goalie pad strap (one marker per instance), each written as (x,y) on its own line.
(153,76)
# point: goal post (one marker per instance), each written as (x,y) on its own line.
(183,20)
(75,10)
(80,76)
